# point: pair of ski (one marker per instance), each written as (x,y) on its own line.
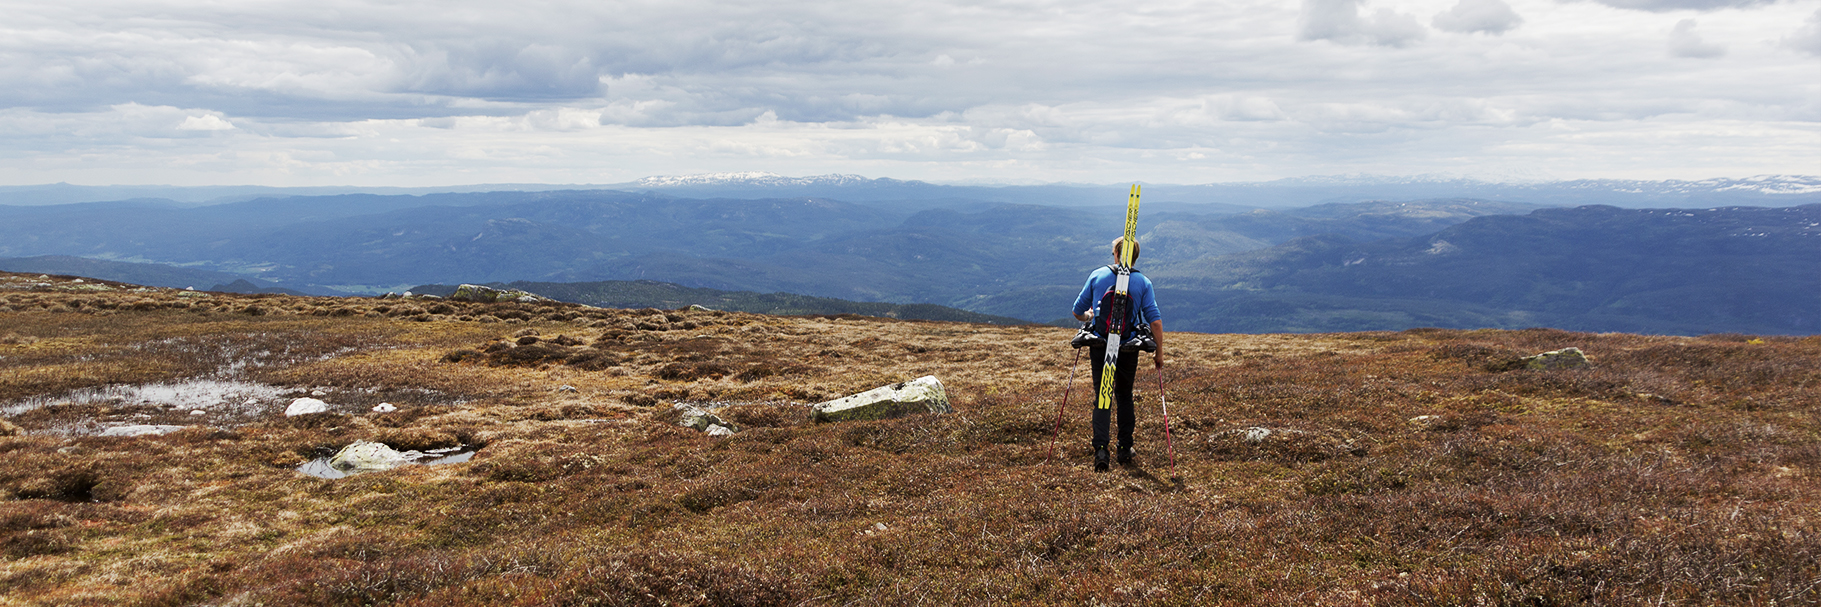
(1116,319)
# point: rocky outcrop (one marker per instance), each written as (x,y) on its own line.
(922,395)
(482,294)
(691,416)
(1565,358)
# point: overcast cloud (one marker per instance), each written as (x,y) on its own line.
(435,93)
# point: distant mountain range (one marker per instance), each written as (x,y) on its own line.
(663,295)
(1750,270)
(149,274)
(1762,190)
(1376,264)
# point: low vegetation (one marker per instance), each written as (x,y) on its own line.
(1410,468)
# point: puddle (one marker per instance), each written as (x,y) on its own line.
(196,394)
(320,467)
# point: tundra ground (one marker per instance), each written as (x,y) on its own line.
(1411,468)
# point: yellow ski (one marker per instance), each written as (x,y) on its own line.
(1121,313)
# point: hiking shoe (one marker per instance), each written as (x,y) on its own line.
(1125,456)
(1100,459)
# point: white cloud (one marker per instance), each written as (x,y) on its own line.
(348,91)
(1663,6)
(1340,21)
(1808,38)
(209,122)
(1478,16)
(1684,42)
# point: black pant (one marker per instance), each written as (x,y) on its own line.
(1122,395)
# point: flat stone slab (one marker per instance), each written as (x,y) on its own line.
(485,294)
(922,395)
(141,430)
(366,456)
(1565,358)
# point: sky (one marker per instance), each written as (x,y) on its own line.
(448,92)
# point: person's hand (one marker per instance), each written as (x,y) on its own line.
(1158,358)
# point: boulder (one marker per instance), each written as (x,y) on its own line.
(305,406)
(366,456)
(922,395)
(1565,358)
(384,408)
(481,294)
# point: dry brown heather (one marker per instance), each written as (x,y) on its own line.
(1678,471)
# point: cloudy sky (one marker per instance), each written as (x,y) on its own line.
(443,92)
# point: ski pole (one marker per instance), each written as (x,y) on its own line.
(1065,405)
(1168,443)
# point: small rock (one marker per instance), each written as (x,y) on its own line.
(699,308)
(1425,420)
(717,430)
(318,393)
(1255,434)
(384,408)
(305,406)
(565,388)
(77,281)
(199,412)
(691,416)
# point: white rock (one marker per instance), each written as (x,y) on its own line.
(922,395)
(565,388)
(384,408)
(318,393)
(691,416)
(147,430)
(365,456)
(1565,358)
(199,412)
(1255,434)
(719,430)
(305,406)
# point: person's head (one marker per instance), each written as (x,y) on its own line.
(1135,249)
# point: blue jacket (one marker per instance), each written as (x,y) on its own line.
(1144,300)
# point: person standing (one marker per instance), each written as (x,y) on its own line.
(1144,318)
